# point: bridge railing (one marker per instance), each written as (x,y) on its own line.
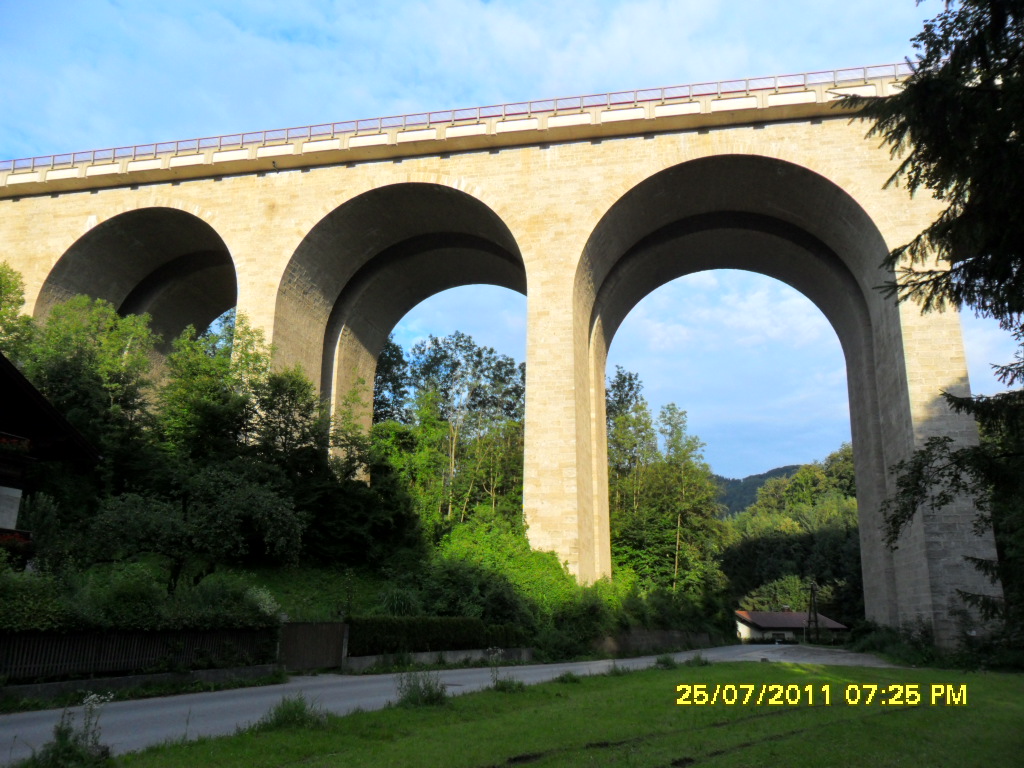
(425,120)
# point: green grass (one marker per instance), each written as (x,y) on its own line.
(633,720)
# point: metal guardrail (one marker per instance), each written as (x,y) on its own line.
(423,120)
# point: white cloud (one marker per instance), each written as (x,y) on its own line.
(97,73)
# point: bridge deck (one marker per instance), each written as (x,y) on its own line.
(547,121)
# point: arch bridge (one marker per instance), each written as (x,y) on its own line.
(325,236)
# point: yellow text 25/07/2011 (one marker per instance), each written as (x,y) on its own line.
(825,694)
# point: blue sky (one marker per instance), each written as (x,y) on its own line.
(756,366)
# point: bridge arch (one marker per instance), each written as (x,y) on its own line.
(372,259)
(782,220)
(159,260)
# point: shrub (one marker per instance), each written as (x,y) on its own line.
(421,689)
(508,685)
(457,587)
(291,712)
(31,601)
(123,597)
(575,625)
(398,601)
(217,603)
(665,661)
(74,747)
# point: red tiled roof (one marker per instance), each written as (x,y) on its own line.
(769,620)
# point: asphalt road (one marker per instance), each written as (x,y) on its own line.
(132,725)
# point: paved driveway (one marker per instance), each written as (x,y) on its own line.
(133,725)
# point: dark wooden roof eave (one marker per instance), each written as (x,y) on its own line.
(28,414)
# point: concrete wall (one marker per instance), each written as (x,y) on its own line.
(326,250)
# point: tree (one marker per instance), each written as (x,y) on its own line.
(391,384)
(208,403)
(663,503)
(958,125)
(624,390)
(800,529)
(223,514)
(15,328)
(473,392)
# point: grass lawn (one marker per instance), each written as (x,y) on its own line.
(632,720)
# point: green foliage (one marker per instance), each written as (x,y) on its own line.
(390,384)
(15,328)
(737,495)
(231,513)
(456,442)
(665,661)
(508,685)
(789,591)
(421,689)
(209,397)
(74,746)
(663,502)
(31,601)
(291,712)
(911,645)
(957,124)
(800,529)
(93,364)
(128,596)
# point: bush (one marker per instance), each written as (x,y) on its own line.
(129,596)
(217,603)
(74,747)
(456,587)
(421,689)
(911,644)
(291,712)
(123,597)
(575,625)
(508,685)
(32,601)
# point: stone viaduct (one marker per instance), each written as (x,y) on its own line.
(326,236)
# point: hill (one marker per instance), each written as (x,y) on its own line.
(737,495)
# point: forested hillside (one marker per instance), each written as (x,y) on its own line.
(737,495)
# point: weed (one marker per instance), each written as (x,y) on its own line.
(75,747)
(665,661)
(292,712)
(568,677)
(616,671)
(697,661)
(421,689)
(509,685)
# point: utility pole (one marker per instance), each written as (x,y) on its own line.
(812,613)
